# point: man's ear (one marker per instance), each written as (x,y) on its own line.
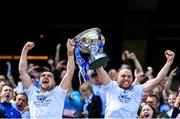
(54,83)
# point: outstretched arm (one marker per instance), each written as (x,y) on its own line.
(163,72)
(9,74)
(56,60)
(176,107)
(139,76)
(136,62)
(66,81)
(23,65)
(103,75)
(149,73)
(169,81)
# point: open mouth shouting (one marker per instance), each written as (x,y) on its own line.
(45,81)
(146,114)
(7,96)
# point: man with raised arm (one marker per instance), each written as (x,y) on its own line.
(48,101)
(122,98)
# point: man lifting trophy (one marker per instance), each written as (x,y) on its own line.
(91,43)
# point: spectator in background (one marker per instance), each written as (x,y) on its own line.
(73,104)
(92,106)
(113,74)
(176,107)
(6,109)
(147,112)
(171,95)
(57,65)
(171,100)
(130,59)
(48,101)
(154,101)
(60,70)
(8,77)
(98,89)
(2,79)
(173,73)
(21,104)
(53,62)
(9,74)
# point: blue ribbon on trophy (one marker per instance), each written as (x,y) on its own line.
(82,64)
(89,42)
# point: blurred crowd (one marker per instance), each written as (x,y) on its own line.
(130,91)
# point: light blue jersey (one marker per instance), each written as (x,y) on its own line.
(122,103)
(46,105)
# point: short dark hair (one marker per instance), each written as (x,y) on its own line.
(23,94)
(43,69)
(155,96)
(56,74)
(125,66)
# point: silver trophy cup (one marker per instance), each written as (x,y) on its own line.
(91,42)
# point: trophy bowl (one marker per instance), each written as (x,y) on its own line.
(91,42)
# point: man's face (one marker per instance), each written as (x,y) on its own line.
(125,78)
(146,112)
(47,81)
(84,92)
(171,99)
(153,102)
(21,101)
(6,94)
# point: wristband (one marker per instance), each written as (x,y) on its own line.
(70,53)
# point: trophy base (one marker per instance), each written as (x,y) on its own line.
(100,60)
